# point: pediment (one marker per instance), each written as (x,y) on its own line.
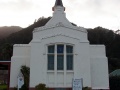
(67,37)
(60,24)
(54,36)
(51,36)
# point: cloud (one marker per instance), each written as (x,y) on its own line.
(81,12)
(15,5)
(93,13)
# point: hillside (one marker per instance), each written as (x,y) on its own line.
(6,31)
(25,35)
(97,35)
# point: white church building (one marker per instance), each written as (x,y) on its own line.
(58,53)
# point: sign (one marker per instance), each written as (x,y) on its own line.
(77,84)
(20,80)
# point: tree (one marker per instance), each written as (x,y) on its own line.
(6,51)
(26,74)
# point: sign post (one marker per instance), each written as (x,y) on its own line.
(20,79)
(77,84)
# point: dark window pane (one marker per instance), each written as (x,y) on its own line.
(60,48)
(51,49)
(60,62)
(69,49)
(50,62)
(69,62)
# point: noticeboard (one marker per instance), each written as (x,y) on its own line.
(77,84)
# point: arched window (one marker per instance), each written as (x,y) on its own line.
(60,57)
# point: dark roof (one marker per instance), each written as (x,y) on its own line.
(58,3)
(115,73)
(1,60)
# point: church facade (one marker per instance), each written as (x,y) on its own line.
(58,53)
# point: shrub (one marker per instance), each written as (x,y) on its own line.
(87,88)
(26,74)
(41,87)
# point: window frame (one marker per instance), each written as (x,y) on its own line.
(50,54)
(64,57)
(72,57)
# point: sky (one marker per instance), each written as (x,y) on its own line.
(84,13)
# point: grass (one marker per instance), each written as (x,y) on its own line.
(3,87)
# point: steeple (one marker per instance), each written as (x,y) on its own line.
(58,3)
(59,16)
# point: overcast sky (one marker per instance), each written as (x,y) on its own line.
(85,13)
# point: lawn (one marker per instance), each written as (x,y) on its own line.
(3,87)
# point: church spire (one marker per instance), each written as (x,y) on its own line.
(59,16)
(58,3)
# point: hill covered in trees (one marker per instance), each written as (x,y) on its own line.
(6,31)
(97,35)
(111,41)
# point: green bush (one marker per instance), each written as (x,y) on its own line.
(87,88)
(26,74)
(41,87)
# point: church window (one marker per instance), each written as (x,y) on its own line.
(60,49)
(69,57)
(51,57)
(60,62)
(60,57)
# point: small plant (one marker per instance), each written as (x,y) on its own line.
(41,87)
(87,88)
(26,74)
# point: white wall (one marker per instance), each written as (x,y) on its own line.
(82,63)
(90,62)
(63,78)
(44,32)
(99,67)
(21,56)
